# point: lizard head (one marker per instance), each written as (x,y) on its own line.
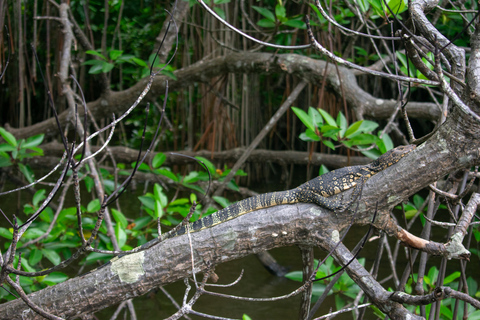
(391,157)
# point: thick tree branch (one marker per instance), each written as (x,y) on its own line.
(310,70)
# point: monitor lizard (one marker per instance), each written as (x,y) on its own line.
(317,191)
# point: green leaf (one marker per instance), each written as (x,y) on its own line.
(38,196)
(4,232)
(210,166)
(305,118)
(323,169)
(158,209)
(93,206)
(280,12)
(315,115)
(95,53)
(119,218)
(158,160)
(55,277)
(353,129)
(191,177)
(160,195)
(33,233)
(342,123)
(33,141)
(265,12)
(8,137)
(140,62)
(107,67)
(222,201)
(140,223)
(27,172)
(368,126)
(387,141)
(115,54)
(51,255)
(328,118)
(148,202)
(168,174)
(246,317)
(294,23)
(35,256)
(120,235)
(455,275)
(309,135)
(265,23)
(220,12)
(329,144)
(295,276)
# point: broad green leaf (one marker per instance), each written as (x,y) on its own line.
(328,118)
(309,135)
(353,129)
(38,196)
(329,144)
(96,69)
(27,172)
(140,223)
(246,317)
(191,177)
(220,12)
(55,277)
(387,141)
(193,197)
(295,276)
(305,118)
(115,54)
(51,255)
(33,141)
(35,256)
(368,126)
(342,123)
(372,153)
(455,275)
(265,12)
(222,201)
(294,23)
(316,117)
(160,195)
(280,12)
(140,62)
(107,67)
(119,218)
(32,233)
(167,173)
(4,232)
(210,166)
(8,137)
(93,206)
(120,235)
(95,53)
(364,139)
(323,170)
(158,209)
(158,160)
(142,167)
(148,202)
(265,23)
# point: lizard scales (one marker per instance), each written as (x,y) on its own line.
(317,190)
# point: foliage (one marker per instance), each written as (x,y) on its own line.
(61,241)
(322,127)
(14,151)
(344,289)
